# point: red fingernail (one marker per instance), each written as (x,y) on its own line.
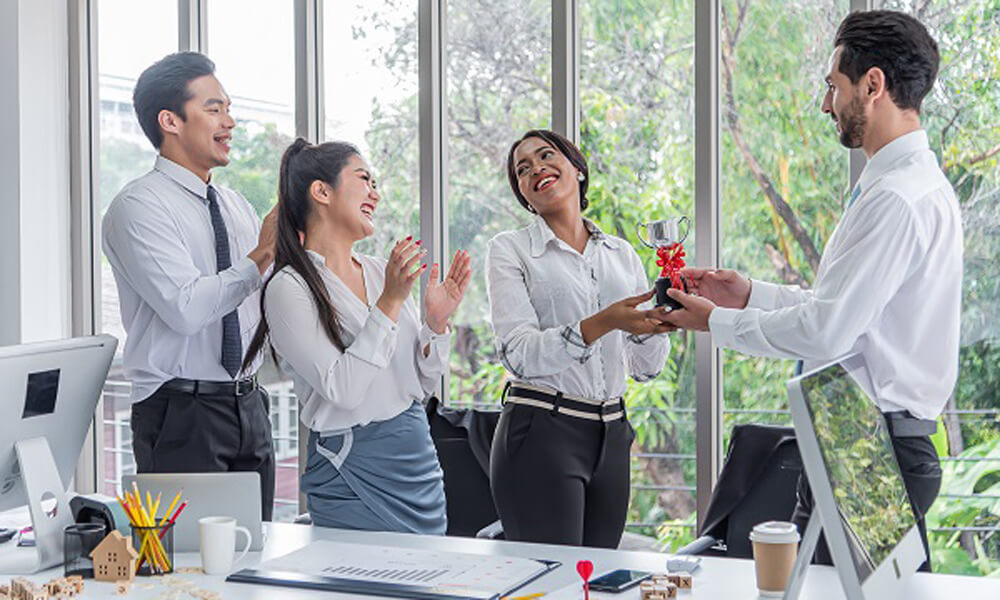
(410,237)
(418,241)
(424,267)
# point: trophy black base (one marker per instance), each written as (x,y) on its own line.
(662,299)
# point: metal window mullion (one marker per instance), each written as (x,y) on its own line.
(192,25)
(708,368)
(85,267)
(433,139)
(308,69)
(308,41)
(566,69)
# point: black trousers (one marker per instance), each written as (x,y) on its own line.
(921,469)
(559,479)
(178,432)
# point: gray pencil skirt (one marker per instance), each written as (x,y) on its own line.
(383,476)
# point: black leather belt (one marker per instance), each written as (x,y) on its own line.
(212,388)
(903,424)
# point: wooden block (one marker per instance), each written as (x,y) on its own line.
(681,579)
(122,587)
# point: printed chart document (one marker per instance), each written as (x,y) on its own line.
(392,571)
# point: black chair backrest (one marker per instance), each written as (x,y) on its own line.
(463,438)
(758,483)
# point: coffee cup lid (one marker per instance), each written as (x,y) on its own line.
(775,532)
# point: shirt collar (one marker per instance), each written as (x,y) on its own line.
(889,154)
(182,176)
(541,235)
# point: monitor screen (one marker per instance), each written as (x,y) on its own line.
(860,462)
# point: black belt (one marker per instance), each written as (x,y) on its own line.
(902,424)
(212,388)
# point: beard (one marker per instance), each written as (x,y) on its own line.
(852,122)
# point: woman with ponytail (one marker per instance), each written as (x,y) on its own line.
(347,330)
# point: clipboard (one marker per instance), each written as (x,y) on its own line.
(397,572)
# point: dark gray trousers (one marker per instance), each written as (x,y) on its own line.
(178,432)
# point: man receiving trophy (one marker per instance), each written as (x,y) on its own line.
(666,238)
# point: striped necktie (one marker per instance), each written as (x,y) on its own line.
(854,196)
(232,346)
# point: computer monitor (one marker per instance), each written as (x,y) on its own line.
(856,482)
(48,394)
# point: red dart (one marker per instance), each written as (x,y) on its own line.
(585,568)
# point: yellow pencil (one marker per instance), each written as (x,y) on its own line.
(170,510)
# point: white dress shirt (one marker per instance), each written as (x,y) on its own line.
(540,289)
(158,237)
(889,286)
(383,370)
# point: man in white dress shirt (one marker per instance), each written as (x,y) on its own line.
(188,257)
(889,284)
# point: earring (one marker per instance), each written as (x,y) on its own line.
(581,177)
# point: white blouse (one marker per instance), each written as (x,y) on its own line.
(382,371)
(540,289)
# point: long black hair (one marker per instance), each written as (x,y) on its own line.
(568,149)
(302,164)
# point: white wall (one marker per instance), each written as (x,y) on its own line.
(35,298)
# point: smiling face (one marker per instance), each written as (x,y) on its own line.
(545,177)
(843,103)
(349,207)
(201,140)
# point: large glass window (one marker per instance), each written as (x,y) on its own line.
(252,45)
(784,173)
(636,100)
(962,119)
(370,79)
(498,86)
(124,51)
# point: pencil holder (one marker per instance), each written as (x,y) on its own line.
(79,540)
(155,546)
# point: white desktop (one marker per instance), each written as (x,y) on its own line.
(48,395)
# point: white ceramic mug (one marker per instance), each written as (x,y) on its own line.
(218,544)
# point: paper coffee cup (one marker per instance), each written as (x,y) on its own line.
(775,544)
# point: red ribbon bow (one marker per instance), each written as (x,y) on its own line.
(671,258)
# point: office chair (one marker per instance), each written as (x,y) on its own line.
(757,483)
(463,438)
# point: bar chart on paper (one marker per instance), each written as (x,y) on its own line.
(395,571)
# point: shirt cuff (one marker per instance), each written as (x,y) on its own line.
(574,345)
(722,325)
(439,342)
(247,270)
(376,340)
(763,295)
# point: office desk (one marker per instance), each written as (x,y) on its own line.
(731,579)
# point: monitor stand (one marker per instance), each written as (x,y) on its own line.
(41,478)
(806,550)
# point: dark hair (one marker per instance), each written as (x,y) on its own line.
(164,86)
(302,164)
(897,44)
(568,149)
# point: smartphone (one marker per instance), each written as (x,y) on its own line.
(617,581)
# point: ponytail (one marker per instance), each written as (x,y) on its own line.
(301,165)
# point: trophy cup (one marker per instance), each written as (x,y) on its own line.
(665,236)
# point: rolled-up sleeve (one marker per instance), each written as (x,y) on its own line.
(432,365)
(526,349)
(146,249)
(341,377)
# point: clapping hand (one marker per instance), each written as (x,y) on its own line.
(441,298)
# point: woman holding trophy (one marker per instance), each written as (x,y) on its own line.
(565,300)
